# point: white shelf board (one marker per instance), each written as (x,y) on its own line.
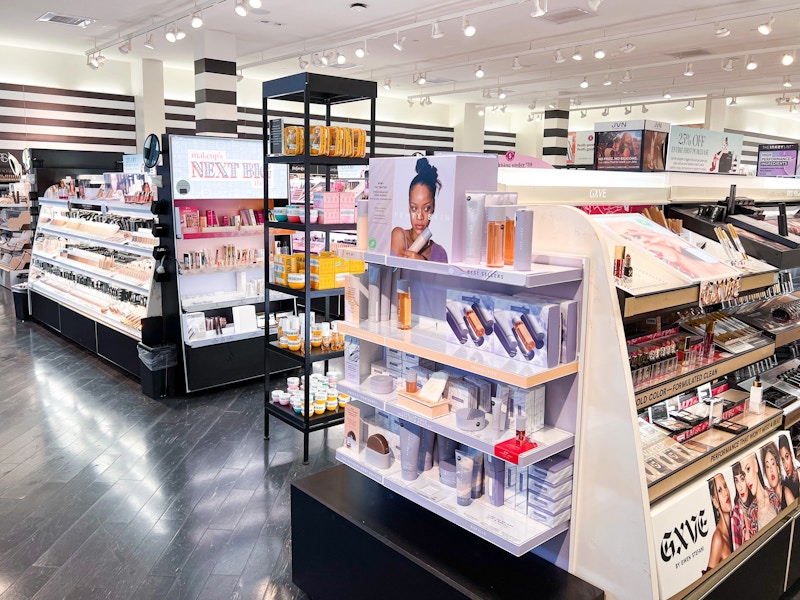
(209,303)
(502,526)
(42,288)
(231,269)
(429,341)
(213,340)
(76,235)
(114,206)
(20,205)
(549,440)
(77,267)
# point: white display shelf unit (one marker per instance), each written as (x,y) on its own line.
(131,247)
(257,266)
(224,338)
(429,340)
(503,526)
(228,300)
(104,205)
(100,274)
(550,440)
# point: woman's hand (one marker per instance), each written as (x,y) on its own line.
(412,255)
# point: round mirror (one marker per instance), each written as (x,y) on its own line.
(151,151)
(16,168)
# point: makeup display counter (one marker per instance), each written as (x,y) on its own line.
(16,236)
(295,146)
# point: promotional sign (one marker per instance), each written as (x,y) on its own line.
(777,160)
(694,150)
(521,161)
(580,148)
(699,527)
(210,167)
(620,145)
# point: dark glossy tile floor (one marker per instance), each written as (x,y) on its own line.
(106,494)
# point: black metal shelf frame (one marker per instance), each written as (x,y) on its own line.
(328,91)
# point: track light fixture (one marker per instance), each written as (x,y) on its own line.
(361,51)
(479,72)
(179,33)
(594,4)
(481,111)
(515,64)
(666,95)
(530,117)
(148,43)
(551,106)
(436,31)
(469,30)
(689,70)
(577,54)
(645,110)
(787,59)
(197,20)
(628,110)
(766,27)
(538,9)
(607,80)
(732,101)
(627,76)
(92,62)
(793,109)
(786,81)
(501,93)
(239,75)
(410,103)
(599,54)
(254,3)
(605,112)
(584,84)
(324,59)
(722,32)
(422,79)
(387,84)
(316,60)
(126,47)
(340,58)
(302,63)
(584,113)
(727,64)
(532,105)
(689,105)
(628,48)
(240,8)
(170,35)
(558,57)
(538,117)
(398,42)
(751,64)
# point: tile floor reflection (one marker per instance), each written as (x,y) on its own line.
(106,494)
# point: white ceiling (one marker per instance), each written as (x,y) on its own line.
(271,39)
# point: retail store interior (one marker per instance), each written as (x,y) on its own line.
(454,299)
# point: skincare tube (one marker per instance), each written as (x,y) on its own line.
(474,228)
(495,483)
(386,293)
(477,472)
(499,414)
(374,304)
(447,461)
(425,462)
(409,449)
(463,478)
(506,340)
(393,306)
(484,316)
(533,327)
(459,330)
(523,240)
(421,240)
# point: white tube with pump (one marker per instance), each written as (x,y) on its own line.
(421,240)
(757,397)
(523,240)
(474,227)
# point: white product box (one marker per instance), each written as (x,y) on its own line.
(553,470)
(358,359)
(390,182)
(356,298)
(532,402)
(547,518)
(539,486)
(244,318)
(543,502)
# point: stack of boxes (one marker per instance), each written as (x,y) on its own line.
(327,270)
(335,207)
(543,491)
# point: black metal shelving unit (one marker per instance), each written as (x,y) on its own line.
(327,91)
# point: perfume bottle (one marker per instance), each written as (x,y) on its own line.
(403,304)
(510,235)
(495,241)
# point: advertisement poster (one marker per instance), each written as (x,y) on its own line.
(220,168)
(655,150)
(694,150)
(674,251)
(619,150)
(580,148)
(777,160)
(699,527)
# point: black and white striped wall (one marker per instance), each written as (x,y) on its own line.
(554,137)
(60,119)
(215,97)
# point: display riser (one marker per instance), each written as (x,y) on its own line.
(111,345)
(341,519)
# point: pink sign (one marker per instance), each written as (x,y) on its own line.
(521,161)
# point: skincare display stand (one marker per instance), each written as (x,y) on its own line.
(323,91)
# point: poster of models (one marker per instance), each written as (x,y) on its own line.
(702,525)
(777,160)
(703,151)
(619,150)
(689,260)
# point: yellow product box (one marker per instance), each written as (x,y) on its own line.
(300,263)
(324,263)
(279,274)
(340,279)
(355,266)
(287,261)
(323,282)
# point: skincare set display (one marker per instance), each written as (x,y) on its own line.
(322,335)
(498,232)
(323,394)
(440,465)
(325,141)
(327,270)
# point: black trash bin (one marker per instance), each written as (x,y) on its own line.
(157,369)
(21,305)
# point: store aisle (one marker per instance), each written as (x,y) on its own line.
(105,493)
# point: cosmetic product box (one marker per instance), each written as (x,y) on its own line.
(544,502)
(570,313)
(553,470)
(535,326)
(539,486)
(195,325)
(394,366)
(358,358)
(389,181)
(244,318)
(356,298)
(547,518)
(484,392)
(355,430)
(532,403)
(326,217)
(409,360)
(470,318)
(347,200)
(379,368)
(462,394)
(326,201)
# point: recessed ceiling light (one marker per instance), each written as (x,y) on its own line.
(599,53)
(689,70)
(358,7)
(479,72)
(436,31)
(197,20)
(577,54)
(584,83)
(558,57)
(766,28)
(469,30)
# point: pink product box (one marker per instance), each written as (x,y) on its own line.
(347,200)
(329,216)
(327,201)
(530,330)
